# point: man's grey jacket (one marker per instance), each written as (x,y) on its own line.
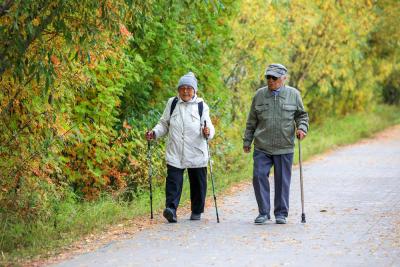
(272,120)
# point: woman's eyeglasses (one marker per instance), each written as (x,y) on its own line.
(185,88)
(272,77)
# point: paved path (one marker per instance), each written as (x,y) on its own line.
(353,219)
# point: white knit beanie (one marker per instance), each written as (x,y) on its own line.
(188,79)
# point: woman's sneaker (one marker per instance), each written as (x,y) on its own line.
(170,215)
(195,216)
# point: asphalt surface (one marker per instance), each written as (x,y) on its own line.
(352,204)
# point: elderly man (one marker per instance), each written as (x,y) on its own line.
(276,113)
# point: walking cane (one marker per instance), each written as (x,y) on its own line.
(150,177)
(303,215)
(212,179)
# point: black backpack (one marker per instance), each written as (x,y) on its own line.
(173,105)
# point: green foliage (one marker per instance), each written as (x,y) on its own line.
(29,27)
(39,43)
(173,38)
(168,40)
(93,150)
(324,44)
(385,51)
(391,88)
(76,103)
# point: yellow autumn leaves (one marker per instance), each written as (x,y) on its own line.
(326,46)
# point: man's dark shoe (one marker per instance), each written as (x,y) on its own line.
(261,219)
(195,216)
(170,215)
(280,220)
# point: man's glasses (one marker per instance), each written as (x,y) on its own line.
(272,77)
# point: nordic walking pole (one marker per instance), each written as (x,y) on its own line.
(303,215)
(150,177)
(212,179)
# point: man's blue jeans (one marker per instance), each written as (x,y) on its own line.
(282,175)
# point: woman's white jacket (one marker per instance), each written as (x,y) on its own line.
(186,145)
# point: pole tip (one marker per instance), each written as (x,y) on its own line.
(303,218)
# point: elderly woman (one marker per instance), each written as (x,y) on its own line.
(187,122)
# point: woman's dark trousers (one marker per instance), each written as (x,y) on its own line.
(198,187)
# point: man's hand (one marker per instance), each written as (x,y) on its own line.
(300,134)
(150,135)
(246,149)
(206,131)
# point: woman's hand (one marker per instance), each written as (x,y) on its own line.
(206,131)
(150,135)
